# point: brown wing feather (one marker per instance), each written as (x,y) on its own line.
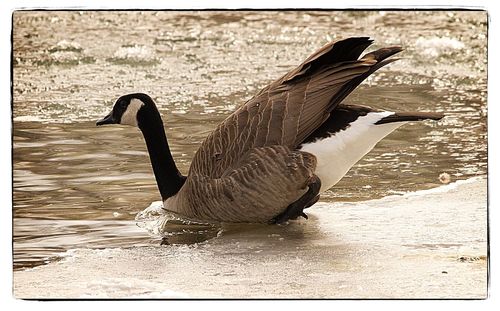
(265,182)
(288,110)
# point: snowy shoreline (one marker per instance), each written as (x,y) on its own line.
(424,244)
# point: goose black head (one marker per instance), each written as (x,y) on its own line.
(127,109)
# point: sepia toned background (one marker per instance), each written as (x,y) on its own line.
(79,188)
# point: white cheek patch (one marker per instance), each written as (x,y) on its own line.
(129,117)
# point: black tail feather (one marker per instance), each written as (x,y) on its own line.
(340,51)
(380,56)
(410,116)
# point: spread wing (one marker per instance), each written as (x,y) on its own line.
(288,110)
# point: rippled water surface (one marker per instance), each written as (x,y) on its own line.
(76,185)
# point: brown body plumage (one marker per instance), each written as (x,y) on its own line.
(251,168)
(250,161)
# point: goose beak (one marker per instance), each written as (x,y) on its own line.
(106,120)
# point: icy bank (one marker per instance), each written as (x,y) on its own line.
(427,244)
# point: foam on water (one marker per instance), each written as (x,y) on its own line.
(67,46)
(437,46)
(134,55)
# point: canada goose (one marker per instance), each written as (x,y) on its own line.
(273,156)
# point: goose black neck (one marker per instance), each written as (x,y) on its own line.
(168,177)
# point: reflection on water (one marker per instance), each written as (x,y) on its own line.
(76,185)
(42,240)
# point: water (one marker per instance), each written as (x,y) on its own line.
(76,185)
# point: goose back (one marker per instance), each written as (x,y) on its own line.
(289,109)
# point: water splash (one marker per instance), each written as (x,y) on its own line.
(173,228)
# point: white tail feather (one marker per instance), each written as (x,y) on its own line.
(337,153)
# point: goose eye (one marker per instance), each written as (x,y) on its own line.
(121,107)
